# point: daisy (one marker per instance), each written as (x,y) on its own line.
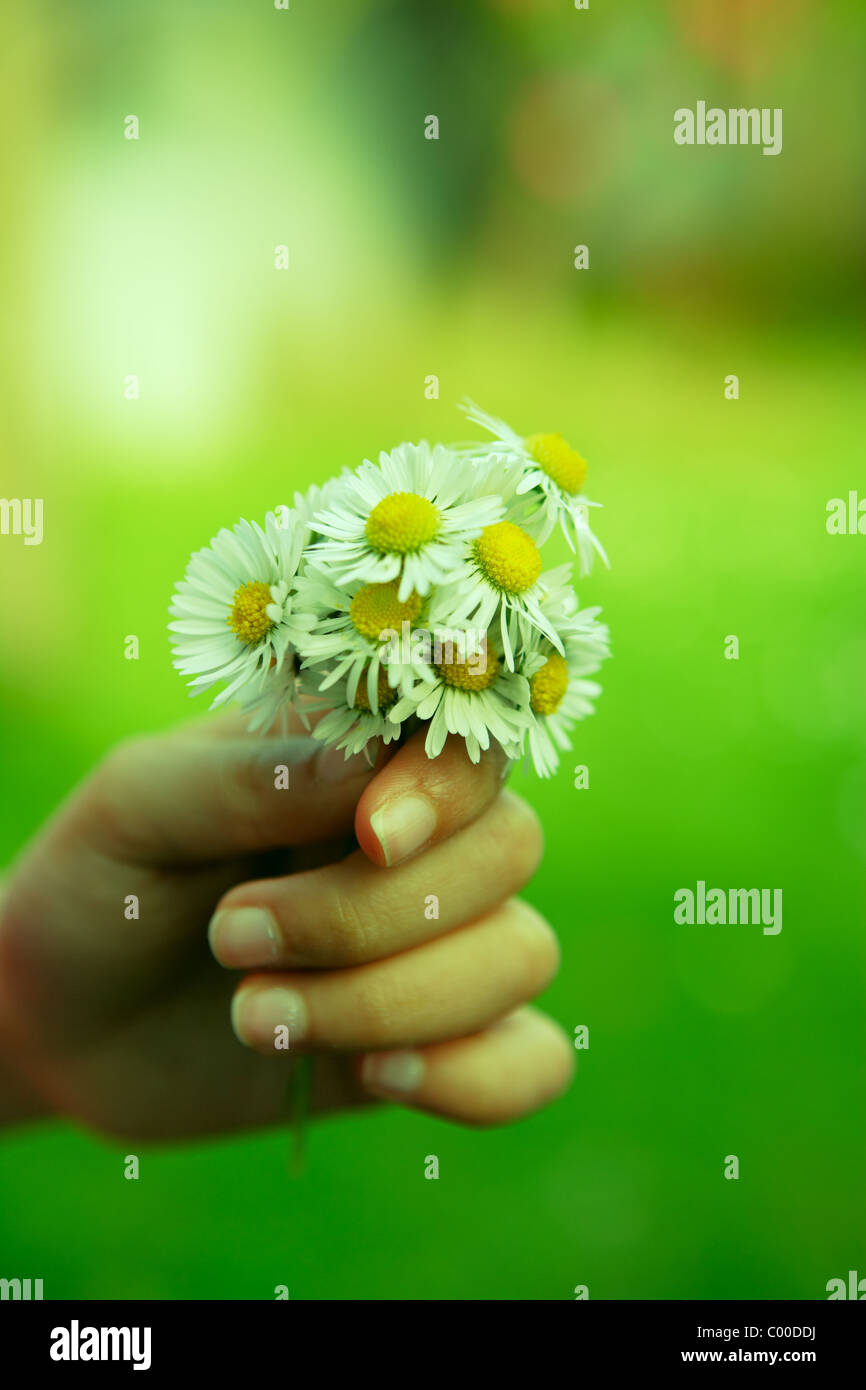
(407,517)
(558,693)
(584,638)
(317,497)
(558,600)
(478,700)
(235,612)
(351,722)
(552,483)
(361,629)
(501,578)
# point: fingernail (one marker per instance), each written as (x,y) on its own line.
(403,826)
(397,1072)
(244,936)
(332,765)
(264,1017)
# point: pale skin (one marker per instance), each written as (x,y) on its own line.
(173,1024)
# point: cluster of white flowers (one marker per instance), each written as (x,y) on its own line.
(409,590)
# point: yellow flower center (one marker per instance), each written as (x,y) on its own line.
(384,693)
(559,461)
(471,675)
(548,685)
(401,523)
(508,558)
(248,619)
(376,607)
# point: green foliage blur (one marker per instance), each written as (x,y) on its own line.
(455,257)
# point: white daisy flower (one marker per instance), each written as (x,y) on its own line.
(362,629)
(317,497)
(552,483)
(350,722)
(477,699)
(558,600)
(586,641)
(407,517)
(559,693)
(235,612)
(500,579)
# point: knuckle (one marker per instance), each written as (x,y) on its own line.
(377,1012)
(124,757)
(491,1111)
(106,793)
(563,1063)
(490,1101)
(523,837)
(120,765)
(536,947)
(335,916)
(352,931)
(492,1106)
(498,1099)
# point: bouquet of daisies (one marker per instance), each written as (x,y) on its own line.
(411,591)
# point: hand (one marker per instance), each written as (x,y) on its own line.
(122,1020)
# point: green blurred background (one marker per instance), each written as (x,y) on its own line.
(411,257)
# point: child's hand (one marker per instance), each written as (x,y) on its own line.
(112,1009)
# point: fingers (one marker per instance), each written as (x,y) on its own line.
(174,799)
(352,912)
(508,1070)
(417,801)
(443,989)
